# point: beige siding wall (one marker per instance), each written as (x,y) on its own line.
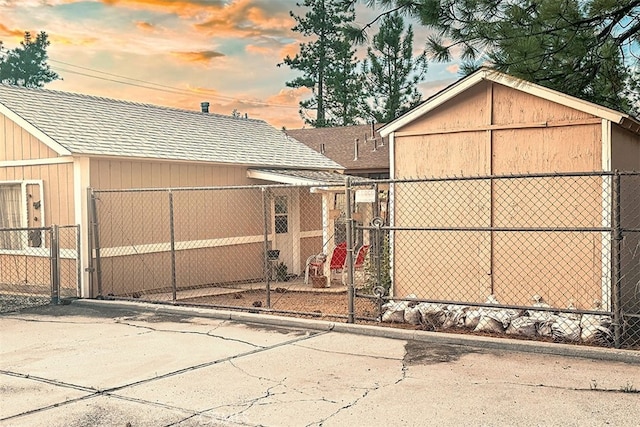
(57,180)
(218,233)
(17,144)
(495,130)
(117,174)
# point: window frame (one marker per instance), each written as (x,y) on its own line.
(24,216)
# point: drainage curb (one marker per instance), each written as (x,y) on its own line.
(505,344)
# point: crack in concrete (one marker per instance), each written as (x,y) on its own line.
(208,333)
(621,390)
(344,353)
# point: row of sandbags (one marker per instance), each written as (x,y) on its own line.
(560,325)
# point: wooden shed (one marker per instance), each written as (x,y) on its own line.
(56,145)
(491,124)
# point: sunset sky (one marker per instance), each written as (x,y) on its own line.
(222,51)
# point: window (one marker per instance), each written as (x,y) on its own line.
(281,215)
(10,215)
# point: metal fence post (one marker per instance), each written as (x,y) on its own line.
(173,247)
(349,266)
(616,250)
(266,261)
(78,260)
(54,248)
(96,241)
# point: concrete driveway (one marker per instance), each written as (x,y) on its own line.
(101,363)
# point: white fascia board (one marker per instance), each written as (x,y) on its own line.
(43,137)
(558,97)
(434,102)
(509,81)
(281,179)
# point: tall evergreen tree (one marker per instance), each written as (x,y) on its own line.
(392,71)
(579,47)
(27,65)
(326,62)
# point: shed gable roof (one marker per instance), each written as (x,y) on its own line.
(486,74)
(81,124)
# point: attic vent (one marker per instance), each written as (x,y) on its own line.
(204,106)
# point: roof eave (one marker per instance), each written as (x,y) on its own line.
(509,81)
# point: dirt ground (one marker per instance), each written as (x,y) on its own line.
(314,304)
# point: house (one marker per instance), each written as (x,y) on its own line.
(54,146)
(491,124)
(359,148)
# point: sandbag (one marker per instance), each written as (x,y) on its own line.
(595,328)
(394,311)
(489,324)
(522,326)
(566,328)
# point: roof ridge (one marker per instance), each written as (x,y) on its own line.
(122,101)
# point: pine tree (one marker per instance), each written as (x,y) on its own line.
(392,71)
(27,65)
(580,47)
(327,63)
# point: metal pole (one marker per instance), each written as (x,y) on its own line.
(377,249)
(350,272)
(267,261)
(55,264)
(173,247)
(96,239)
(78,260)
(616,251)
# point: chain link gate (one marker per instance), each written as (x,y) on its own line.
(38,266)
(546,256)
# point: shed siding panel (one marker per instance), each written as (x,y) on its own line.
(468,111)
(511,106)
(442,156)
(556,149)
(625,150)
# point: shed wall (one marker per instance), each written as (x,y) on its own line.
(495,130)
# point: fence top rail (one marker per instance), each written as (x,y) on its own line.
(27,229)
(487,229)
(496,177)
(261,187)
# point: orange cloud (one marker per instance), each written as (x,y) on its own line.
(292,49)
(4,30)
(453,68)
(145,26)
(201,56)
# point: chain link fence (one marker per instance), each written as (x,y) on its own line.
(251,248)
(38,266)
(550,257)
(538,256)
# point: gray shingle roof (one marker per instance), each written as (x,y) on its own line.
(106,127)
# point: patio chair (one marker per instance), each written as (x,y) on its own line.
(315,263)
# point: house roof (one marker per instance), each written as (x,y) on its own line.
(87,125)
(487,74)
(339,145)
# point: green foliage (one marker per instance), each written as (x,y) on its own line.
(584,48)
(379,276)
(328,64)
(26,65)
(392,72)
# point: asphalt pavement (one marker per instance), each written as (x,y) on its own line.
(106,363)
